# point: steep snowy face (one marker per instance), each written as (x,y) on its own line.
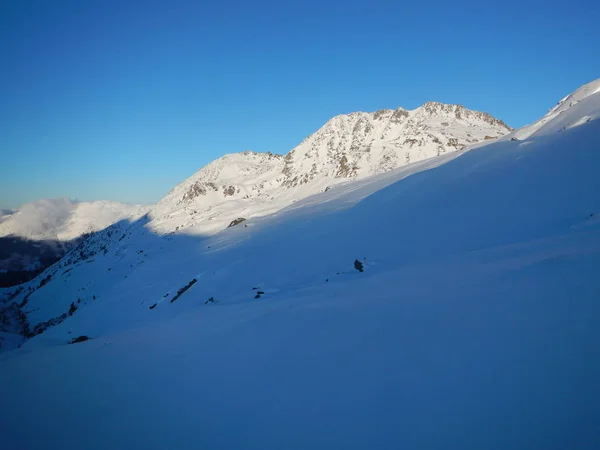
(243,175)
(556,120)
(362,144)
(350,146)
(235,184)
(580,94)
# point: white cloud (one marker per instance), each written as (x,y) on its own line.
(39,217)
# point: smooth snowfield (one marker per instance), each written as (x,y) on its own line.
(474,325)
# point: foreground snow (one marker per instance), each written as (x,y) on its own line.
(495,349)
(474,324)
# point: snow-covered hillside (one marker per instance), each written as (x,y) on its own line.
(556,120)
(349,146)
(250,184)
(39,233)
(473,323)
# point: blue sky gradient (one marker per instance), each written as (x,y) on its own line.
(122,100)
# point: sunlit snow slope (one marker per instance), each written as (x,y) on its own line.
(348,147)
(474,324)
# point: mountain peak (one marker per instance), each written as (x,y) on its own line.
(439,106)
(575,97)
(353,145)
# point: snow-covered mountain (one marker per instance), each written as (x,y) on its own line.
(556,119)
(38,233)
(456,294)
(349,146)
(363,144)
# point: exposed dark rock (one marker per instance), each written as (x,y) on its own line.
(453,142)
(345,169)
(45,281)
(358,265)
(79,339)
(43,326)
(25,300)
(399,115)
(228,191)
(236,222)
(194,191)
(181,291)
(377,115)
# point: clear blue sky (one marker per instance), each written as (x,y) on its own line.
(122,100)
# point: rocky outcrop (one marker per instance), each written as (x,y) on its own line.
(236,222)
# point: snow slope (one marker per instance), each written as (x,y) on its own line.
(349,146)
(556,120)
(474,324)
(39,233)
(250,184)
